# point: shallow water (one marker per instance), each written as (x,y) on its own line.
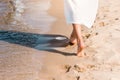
(31,14)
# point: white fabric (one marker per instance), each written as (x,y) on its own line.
(81,11)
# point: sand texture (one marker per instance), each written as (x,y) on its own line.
(34,42)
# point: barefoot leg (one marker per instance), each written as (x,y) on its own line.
(77,28)
(80,51)
(73,38)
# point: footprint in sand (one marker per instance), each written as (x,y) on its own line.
(79,69)
(87,35)
(67,68)
(75,67)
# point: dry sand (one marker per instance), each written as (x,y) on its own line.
(22,61)
(102,41)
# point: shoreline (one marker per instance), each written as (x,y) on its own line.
(59,26)
(22,53)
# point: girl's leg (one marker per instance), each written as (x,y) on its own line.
(80,43)
(73,37)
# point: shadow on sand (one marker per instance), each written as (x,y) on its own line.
(45,42)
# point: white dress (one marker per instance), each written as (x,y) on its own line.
(81,11)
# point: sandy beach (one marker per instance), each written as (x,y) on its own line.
(34,42)
(102,48)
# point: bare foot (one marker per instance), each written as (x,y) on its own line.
(73,39)
(80,51)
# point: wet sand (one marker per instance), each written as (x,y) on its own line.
(22,39)
(33,53)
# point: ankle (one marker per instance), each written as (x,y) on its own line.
(81,43)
